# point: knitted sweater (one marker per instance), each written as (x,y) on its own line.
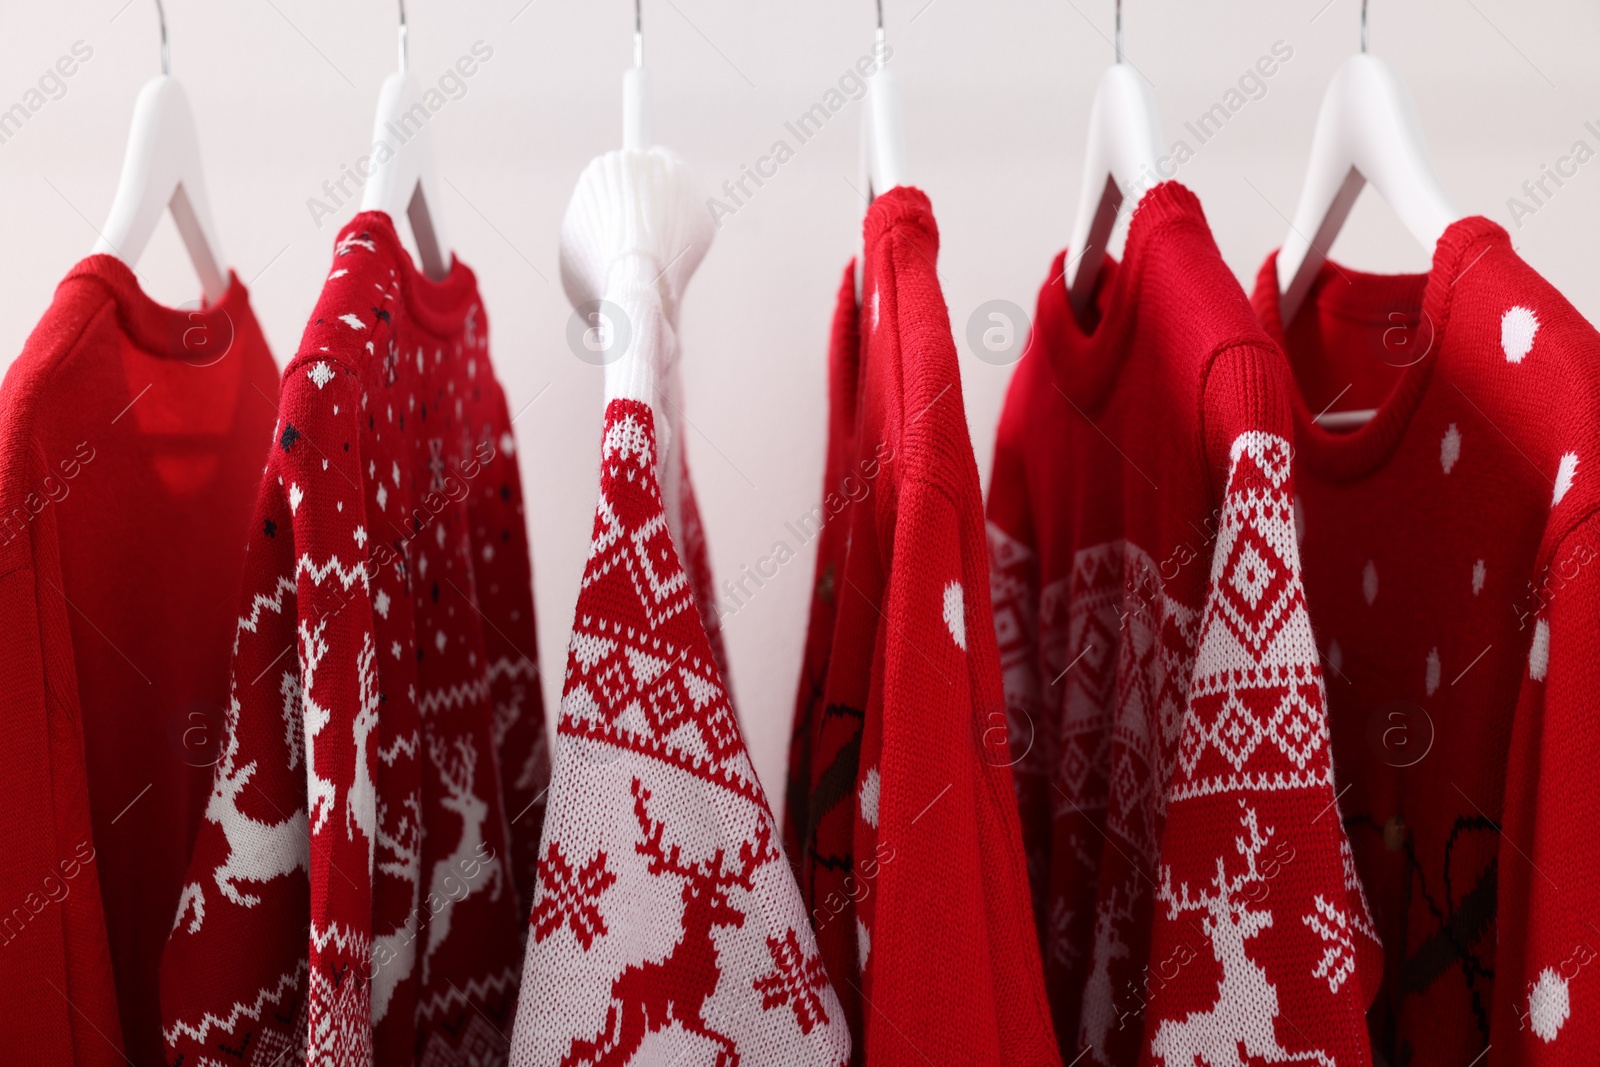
(1181,822)
(667,926)
(130,440)
(913,864)
(384,749)
(1449,551)
(841,484)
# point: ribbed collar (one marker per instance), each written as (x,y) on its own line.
(439,307)
(157,329)
(1353,294)
(1085,364)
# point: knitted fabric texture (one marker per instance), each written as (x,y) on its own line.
(840,485)
(912,861)
(130,443)
(1162,685)
(667,926)
(385,724)
(1449,555)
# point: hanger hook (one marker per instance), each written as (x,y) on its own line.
(166,59)
(880,27)
(1363,27)
(1119,30)
(638,34)
(403,57)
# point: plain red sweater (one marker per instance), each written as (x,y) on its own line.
(385,741)
(1182,819)
(1452,560)
(913,864)
(130,443)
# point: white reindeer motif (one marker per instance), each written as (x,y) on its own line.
(257,851)
(321,792)
(361,803)
(1099,1007)
(458,773)
(394,955)
(1247,1002)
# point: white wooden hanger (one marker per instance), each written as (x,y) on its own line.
(1124,146)
(408,180)
(883,135)
(1367,131)
(160,170)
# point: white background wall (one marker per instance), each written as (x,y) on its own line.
(996,97)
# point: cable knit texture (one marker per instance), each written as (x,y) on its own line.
(1452,559)
(1166,705)
(667,927)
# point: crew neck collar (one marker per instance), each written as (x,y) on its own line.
(1085,363)
(162,331)
(440,307)
(1358,296)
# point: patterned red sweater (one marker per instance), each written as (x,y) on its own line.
(384,748)
(912,860)
(130,443)
(667,928)
(1166,706)
(1452,560)
(841,484)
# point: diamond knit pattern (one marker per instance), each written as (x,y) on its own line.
(666,926)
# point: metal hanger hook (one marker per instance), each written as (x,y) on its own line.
(1119,30)
(638,34)
(404,58)
(880,26)
(166,57)
(1363,27)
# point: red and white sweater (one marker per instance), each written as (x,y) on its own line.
(912,860)
(667,925)
(1452,565)
(1166,707)
(384,751)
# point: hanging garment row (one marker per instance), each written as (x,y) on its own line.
(1205,740)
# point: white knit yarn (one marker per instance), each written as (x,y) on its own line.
(633,235)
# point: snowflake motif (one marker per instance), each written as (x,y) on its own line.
(1338,960)
(321,374)
(795,980)
(570,897)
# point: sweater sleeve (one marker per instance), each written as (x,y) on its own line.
(1260,934)
(1547,980)
(234,966)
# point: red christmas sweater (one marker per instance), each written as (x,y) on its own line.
(1452,563)
(840,485)
(384,747)
(667,927)
(1166,707)
(130,440)
(911,860)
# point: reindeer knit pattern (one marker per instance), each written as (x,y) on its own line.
(1449,550)
(667,927)
(384,747)
(912,861)
(1165,702)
